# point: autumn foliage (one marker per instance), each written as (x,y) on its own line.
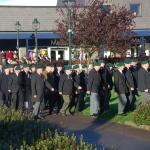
(98,26)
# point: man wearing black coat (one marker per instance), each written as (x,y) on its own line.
(83,83)
(4,80)
(50,95)
(130,84)
(144,80)
(26,77)
(57,74)
(66,89)
(77,88)
(93,88)
(134,70)
(38,84)
(107,85)
(121,88)
(15,87)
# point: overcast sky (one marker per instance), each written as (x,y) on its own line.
(29,2)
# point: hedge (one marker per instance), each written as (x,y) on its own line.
(142,113)
(20,132)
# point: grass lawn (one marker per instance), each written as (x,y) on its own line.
(112,114)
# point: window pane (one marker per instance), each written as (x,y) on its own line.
(106,7)
(136,8)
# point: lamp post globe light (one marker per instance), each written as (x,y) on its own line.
(36,27)
(69,32)
(17,28)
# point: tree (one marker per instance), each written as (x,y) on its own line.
(98,26)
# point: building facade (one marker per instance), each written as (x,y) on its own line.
(47,33)
(142,29)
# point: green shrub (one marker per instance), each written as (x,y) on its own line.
(142,114)
(21,132)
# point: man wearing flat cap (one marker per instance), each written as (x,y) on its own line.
(143,80)
(50,100)
(26,77)
(93,88)
(130,84)
(4,80)
(121,88)
(66,89)
(38,84)
(15,87)
(77,87)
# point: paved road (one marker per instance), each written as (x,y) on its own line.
(96,131)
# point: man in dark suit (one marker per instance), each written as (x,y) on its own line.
(83,83)
(77,87)
(4,80)
(130,84)
(134,70)
(143,81)
(38,84)
(50,99)
(121,88)
(15,87)
(107,85)
(57,74)
(110,72)
(26,77)
(66,89)
(93,88)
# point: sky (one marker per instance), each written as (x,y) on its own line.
(29,2)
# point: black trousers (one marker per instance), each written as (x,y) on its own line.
(6,96)
(17,101)
(49,100)
(79,101)
(1,99)
(131,100)
(105,98)
(28,105)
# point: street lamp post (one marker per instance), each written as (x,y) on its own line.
(36,26)
(17,28)
(69,32)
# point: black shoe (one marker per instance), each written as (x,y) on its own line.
(124,114)
(38,117)
(94,115)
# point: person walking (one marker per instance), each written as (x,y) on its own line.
(4,80)
(143,81)
(66,90)
(107,85)
(15,87)
(130,84)
(121,88)
(57,75)
(77,88)
(50,99)
(93,88)
(26,77)
(83,83)
(38,84)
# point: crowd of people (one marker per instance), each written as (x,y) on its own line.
(34,86)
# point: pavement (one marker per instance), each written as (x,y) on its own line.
(100,132)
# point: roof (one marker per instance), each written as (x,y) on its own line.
(25,15)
